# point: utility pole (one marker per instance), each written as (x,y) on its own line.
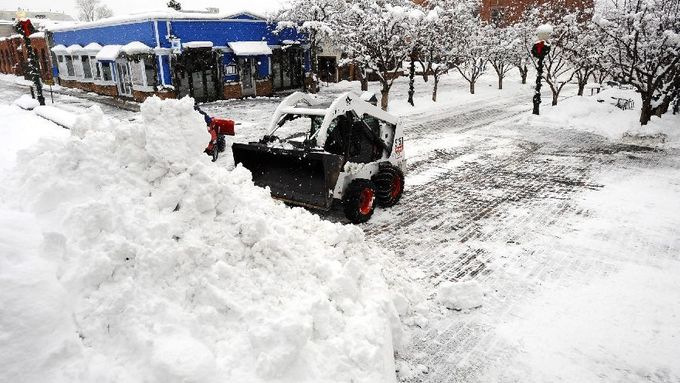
(26,29)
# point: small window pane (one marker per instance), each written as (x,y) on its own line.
(106,72)
(87,70)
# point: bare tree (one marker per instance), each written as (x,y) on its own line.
(503,51)
(377,35)
(644,35)
(470,50)
(316,20)
(90,10)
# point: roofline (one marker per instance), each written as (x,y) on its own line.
(150,17)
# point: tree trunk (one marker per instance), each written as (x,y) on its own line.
(362,79)
(436,84)
(426,70)
(663,107)
(524,72)
(581,87)
(554,98)
(385,92)
(472,87)
(646,112)
(500,82)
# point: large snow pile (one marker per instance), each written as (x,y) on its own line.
(135,259)
(598,114)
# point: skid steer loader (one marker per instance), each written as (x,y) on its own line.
(316,153)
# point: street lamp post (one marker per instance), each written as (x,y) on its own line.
(26,29)
(540,50)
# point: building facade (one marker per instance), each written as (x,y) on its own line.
(174,54)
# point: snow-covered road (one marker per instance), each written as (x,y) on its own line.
(510,205)
(571,236)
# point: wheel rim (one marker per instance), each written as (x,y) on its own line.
(366,201)
(396,187)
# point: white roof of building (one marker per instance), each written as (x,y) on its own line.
(73,49)
(165,14)
(197,44)
(109,53)
(92,48)
(250,48)
(59,49)
(136,47)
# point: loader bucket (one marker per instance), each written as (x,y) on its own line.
(295,176)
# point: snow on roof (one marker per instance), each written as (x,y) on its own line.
(109,53)
(136,47)
(59,49)
(75,48)
(37,35)
(250,48)
(92,47)
(165,14)
(197,44)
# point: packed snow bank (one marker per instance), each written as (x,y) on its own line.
(19,130)
(460,295)
(56,115)
(152,264)
(598,114)
(26,102)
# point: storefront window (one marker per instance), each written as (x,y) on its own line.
(87,69)
(106,72)
(69,66)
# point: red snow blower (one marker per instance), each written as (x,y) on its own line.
(219,128)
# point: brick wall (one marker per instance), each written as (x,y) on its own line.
(264,88)
(140,96)
(42,54)
(14,57)
(232,90)
(512,10)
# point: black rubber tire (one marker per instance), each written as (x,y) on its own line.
(221,143)
(388,178)
(353,199)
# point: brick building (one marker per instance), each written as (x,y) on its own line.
(14,56)
(506,12)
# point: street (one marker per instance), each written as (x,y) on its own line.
(492,199)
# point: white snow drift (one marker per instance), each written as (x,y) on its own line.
(129,257)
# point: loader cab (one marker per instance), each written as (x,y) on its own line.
(353,138)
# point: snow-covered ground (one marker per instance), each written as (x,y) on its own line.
(543,249)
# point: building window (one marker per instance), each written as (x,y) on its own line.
(69,66)
(94,67)
(87,69)
(149,71)
(106,71)
(136,72)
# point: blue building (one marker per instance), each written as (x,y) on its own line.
(174,54)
